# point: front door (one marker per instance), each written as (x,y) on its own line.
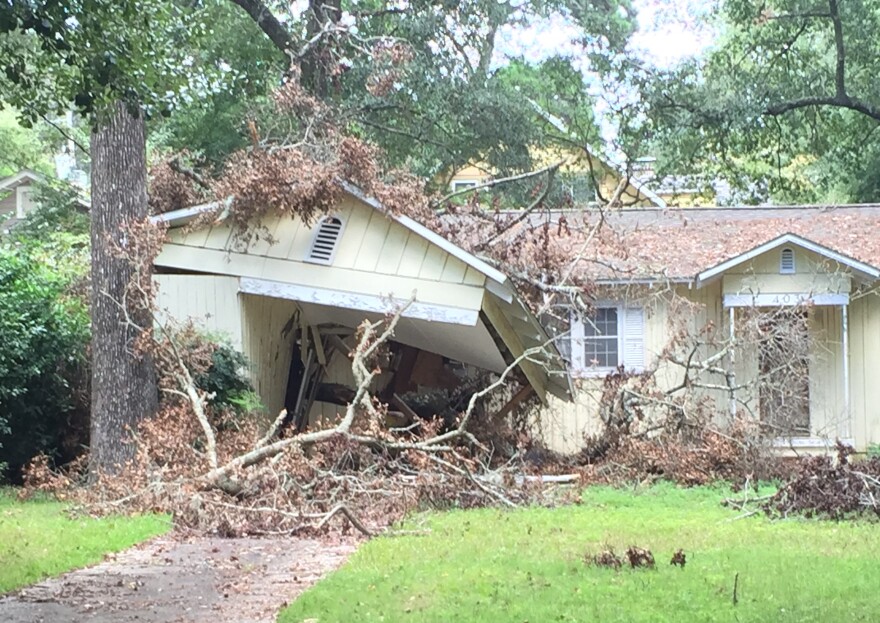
(784,368)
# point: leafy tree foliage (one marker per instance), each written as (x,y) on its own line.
(60,211)
(786,103)
(115,61)
(426,81)
(20,148)
(43,337)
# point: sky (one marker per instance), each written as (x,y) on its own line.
(669,32)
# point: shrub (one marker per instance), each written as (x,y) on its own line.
(43,338)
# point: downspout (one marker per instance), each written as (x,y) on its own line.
(844,428)
(731,380)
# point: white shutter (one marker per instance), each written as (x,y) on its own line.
(576,341)
(634,338)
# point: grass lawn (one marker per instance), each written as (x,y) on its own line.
(37,539)
(527,565)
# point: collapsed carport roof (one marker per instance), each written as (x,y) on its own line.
(462,308)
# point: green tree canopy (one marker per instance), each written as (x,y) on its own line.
(786,103)
(428,81)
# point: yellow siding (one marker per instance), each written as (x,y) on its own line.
(392,249)
(374,256)
(564,425)
(814,274)
(211,302)
(864,322)
(470,173)
(412,257)
(356,226)
(268,346)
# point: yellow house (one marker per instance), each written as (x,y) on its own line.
(767,313)
(587,179)
(292,307)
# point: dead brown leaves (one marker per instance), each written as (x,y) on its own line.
(637,557)
(828,488)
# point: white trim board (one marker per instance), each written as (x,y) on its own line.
(359,302)
(786,299)
(809,442)
(785,239)
(176,218)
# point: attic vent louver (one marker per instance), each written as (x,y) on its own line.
(786,262)
(324,244)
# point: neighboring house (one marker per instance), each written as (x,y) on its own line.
(588,180)
(19,197)
(683,191)
(665,277)
(293,307)
(587,176)
(17,194)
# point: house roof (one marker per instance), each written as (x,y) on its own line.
(181,217)
(22,177)
(680,244)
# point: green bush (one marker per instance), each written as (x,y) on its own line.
(44,334)
(226,380)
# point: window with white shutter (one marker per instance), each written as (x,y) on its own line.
(614,336)
(326,239)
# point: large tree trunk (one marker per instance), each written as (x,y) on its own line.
(123,383)
(317,65)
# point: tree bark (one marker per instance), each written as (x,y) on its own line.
(317,74)
(123,383)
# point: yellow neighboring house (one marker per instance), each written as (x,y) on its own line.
(587,179)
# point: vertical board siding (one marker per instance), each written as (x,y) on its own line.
(826,371)
(370,247)
(353,234)
(454,270)
(267,348)
(864,363)
(412,257)
(284,234)
(392,249)
(432,264)
(211,302)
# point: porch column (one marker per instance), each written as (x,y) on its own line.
(844,427)
(732,377)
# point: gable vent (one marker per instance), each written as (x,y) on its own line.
(786,261)
(326,239)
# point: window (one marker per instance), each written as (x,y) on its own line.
(601,339)
(326,237)
(613,337)
(786,262)
(463,185)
